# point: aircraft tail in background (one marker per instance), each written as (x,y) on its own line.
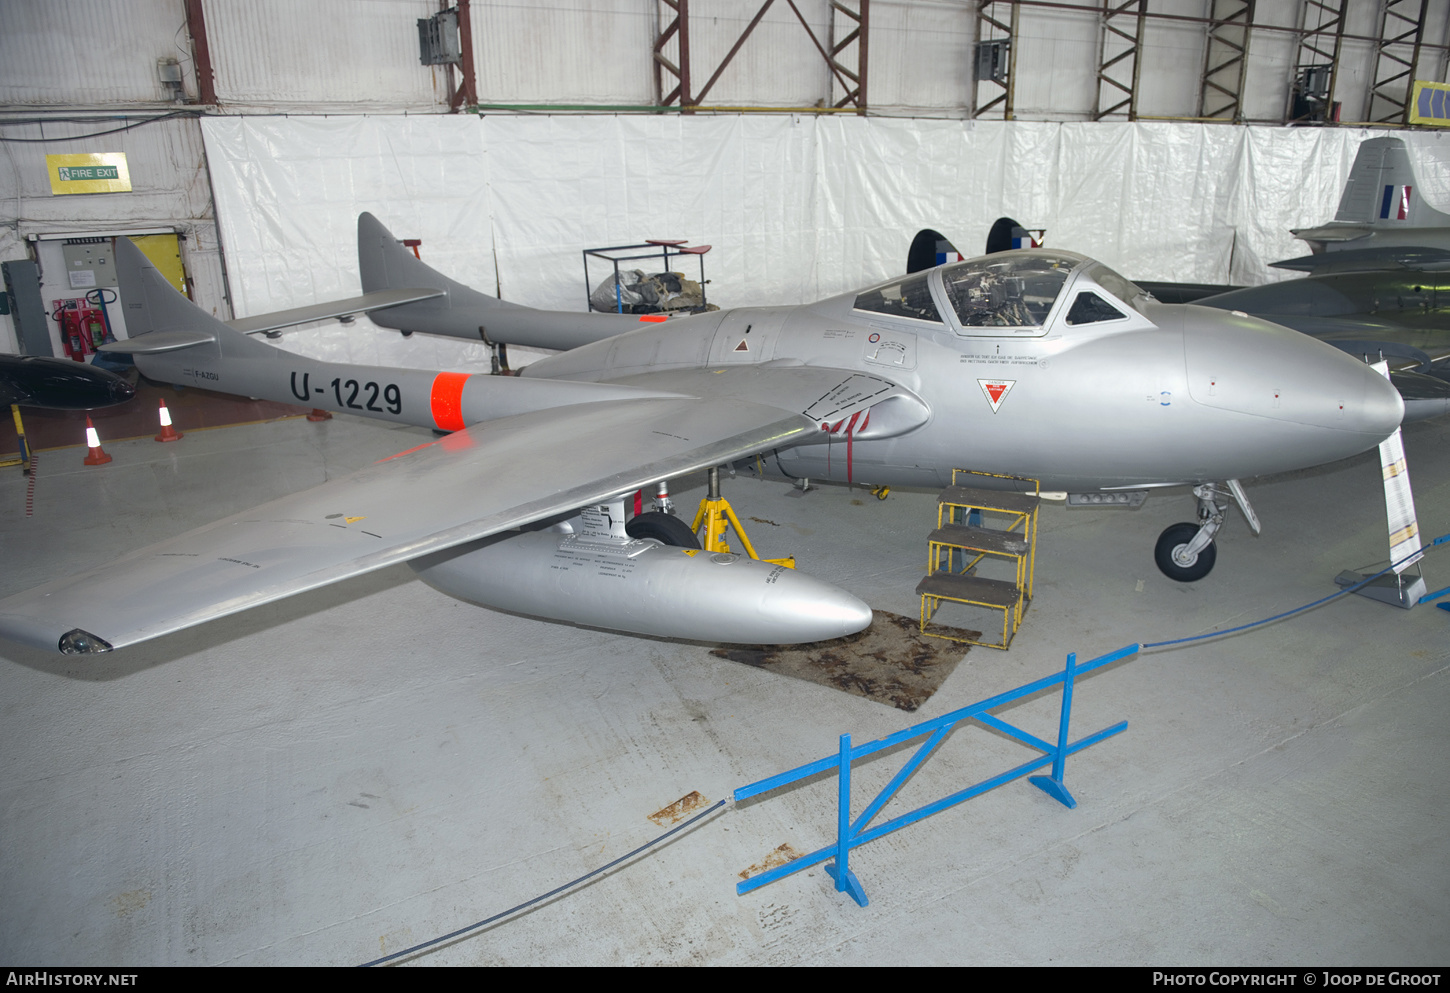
(931,248)
(1384,192)
(1383,207)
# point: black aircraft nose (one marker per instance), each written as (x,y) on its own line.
(120,391)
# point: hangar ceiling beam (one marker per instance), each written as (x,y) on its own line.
(1397,60)
(996,22)
(1225,60)
(1118,63)
(1321,35)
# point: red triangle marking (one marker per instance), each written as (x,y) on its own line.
(995,391)
(742,347)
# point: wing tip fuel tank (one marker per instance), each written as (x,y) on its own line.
(643,587)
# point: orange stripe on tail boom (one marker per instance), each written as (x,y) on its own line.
(447,400)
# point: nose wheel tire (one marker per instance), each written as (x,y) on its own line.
(667,529)
(1168,554)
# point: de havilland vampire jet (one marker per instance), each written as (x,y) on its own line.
(1043,364)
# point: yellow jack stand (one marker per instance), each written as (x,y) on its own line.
(24,458)
(715,514)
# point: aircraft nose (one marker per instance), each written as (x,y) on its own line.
(1327,398)
(1383,408)
(121,391)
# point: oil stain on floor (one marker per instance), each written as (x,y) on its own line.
(890,662)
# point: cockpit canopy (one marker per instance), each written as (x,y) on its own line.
(1006,290)
(1008,293)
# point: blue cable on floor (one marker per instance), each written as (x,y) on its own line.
(538,899)
(1309,606)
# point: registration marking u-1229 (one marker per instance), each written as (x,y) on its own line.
(391,395)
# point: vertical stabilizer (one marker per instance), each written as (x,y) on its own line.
(930,249)
(1384,192)
(385,264)
(137,289)
(159,319)
(462,312)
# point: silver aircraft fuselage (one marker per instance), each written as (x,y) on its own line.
(1152,395)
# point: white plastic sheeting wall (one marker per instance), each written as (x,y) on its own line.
(797,207)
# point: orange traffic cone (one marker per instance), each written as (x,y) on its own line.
(318,414)
(168,433)
(96,455)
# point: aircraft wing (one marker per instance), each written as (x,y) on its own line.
(1404,347)
(1182,292)
(167,341)
(487,478)
(1334,231)
(1382,257)
(368,302)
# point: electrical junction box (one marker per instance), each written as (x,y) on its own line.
(89,262)
(438,39)
(992,59)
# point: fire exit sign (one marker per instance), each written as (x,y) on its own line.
(72,174)
(98,172)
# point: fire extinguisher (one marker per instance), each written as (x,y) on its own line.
(93,328)
(67,314)
(97,299)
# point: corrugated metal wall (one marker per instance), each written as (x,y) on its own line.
(916,61)
(362,55)
(280,54)
(77,53)
(564,51)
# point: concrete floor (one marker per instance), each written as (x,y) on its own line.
(341,775)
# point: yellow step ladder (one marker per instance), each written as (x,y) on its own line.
(963,541)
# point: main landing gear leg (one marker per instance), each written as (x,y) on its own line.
(1185,552)
(660,522)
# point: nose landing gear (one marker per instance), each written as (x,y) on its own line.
(1185,552)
